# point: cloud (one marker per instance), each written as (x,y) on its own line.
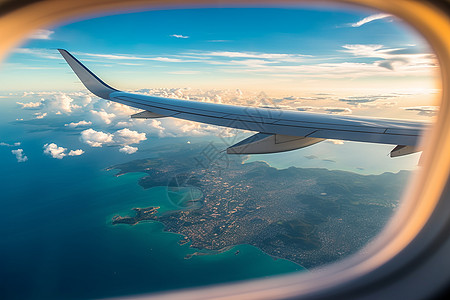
(79,124)
(103,116)
(42,53)
(134,57)
(96,138)
(41,34)
(123,137)
(428,111)
(398,59)
(179,36)
(76,152)
(16,144)
(40,115)
(62,102)
(60,152)
(337,110)
(54,151)
(369,19)
(59,102)
(355,100)
(128,149)
(31,105)
(126,136)
(19,155)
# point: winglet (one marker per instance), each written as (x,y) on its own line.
(89,79)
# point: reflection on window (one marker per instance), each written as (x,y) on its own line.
(186,213)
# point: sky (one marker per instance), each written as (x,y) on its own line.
(326,60)
(291,50)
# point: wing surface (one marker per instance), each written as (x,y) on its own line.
(263,120)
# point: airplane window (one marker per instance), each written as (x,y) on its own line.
(306,173)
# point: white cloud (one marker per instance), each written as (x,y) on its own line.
(121,109)
(79,124)
(40,115)
(96,138)
(16,144)
(56,102)
(134,57)
(259,55)
(398,59)
(123,124)
(19,155)
(62,102)
(126,136)
(128,149)
(123,137)
(179,36)
(54,151)
(42,53)
(60,152)
(41,34)
(76,152)
(31,105)
(103,116)
(369,19)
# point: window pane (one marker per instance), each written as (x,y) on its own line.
(96,204)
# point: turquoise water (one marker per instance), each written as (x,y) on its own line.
(57,238)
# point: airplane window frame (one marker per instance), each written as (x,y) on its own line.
(417,238)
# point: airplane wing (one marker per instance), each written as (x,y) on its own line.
(277,130)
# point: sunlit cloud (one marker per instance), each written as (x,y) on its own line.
(103,116)
(77,152)
(79,124)
(126,136)
(60,152)
(31,105)
(54,151)
(40,115)
(128,149)
(96,138)
(134,57)
(123,137)
(369,19)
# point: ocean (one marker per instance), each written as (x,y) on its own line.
(57,237)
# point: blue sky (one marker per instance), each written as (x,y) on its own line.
(284,49)
(319,60)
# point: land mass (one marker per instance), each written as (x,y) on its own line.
(310,216)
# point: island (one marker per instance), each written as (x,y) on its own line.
(310,216)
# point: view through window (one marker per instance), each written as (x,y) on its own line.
(96,204)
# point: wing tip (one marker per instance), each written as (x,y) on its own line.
(89,79)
